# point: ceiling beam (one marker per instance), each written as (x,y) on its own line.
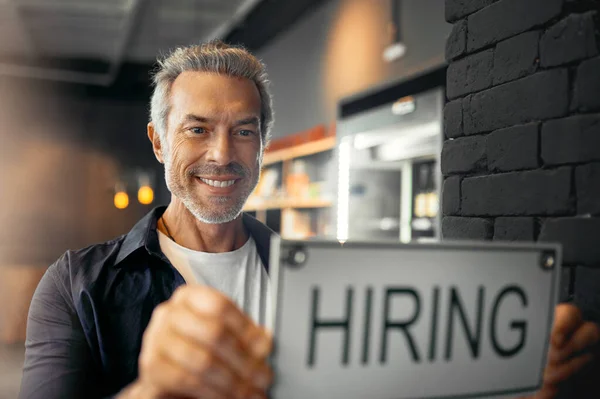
(243,10)
(101,79)
(71,6)
(269,19)
(134,11)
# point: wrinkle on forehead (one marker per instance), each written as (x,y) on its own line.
(215,96)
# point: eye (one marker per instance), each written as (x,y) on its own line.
(246,133)
(197,130)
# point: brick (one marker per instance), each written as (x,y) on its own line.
(578,237)
(451,196)
(573,38)
(587,292)
(567,280)
(458,228)
(587,184)
(456,44)
(470,74)
(456,9)
(453,124)
(463,155)
(541,96)
(587,85)
(516,57)
(507,18)
(514,229)
(575,139)
(529,193)
(513,148)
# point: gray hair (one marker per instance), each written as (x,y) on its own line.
(217,57)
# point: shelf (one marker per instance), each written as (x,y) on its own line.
(300,150)
(259,205)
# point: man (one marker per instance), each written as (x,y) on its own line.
(177,307)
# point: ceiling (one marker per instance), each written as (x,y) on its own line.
(87,41)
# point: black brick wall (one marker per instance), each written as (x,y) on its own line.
(516,57)
(521,160)
(513,148)
(587,86)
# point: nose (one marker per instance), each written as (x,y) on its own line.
(220,149)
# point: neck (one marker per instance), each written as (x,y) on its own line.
(191,233)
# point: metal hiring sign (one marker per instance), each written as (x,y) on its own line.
(392,321)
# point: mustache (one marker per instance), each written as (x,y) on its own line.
(233,168)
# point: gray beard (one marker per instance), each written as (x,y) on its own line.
(200,213)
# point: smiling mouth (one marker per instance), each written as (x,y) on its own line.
(218,183)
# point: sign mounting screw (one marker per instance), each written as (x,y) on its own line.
(548,260)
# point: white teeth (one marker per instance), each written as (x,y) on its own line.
(217,183)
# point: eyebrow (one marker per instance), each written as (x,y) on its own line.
(252,120)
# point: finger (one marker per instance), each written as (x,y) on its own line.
(560,373)
(567,318)
(261,376)
(262,342)
(171,379)
(188,336)
(249,392)
(208,301)
(548,391)
(212,333)
(198,361)
(586,337)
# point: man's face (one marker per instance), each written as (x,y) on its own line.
(213,150)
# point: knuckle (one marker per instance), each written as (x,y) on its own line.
(205,362)
(181,378)
(180,293)
(221,305)
(146,360)
(217,332)
(160,312)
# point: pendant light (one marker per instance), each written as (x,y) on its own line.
(397,48)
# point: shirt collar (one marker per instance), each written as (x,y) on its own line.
(144,235)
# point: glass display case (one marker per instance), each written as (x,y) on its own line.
(388,169)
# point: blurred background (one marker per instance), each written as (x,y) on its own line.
(358,91)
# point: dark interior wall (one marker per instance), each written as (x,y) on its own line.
(336,51)
(62,153)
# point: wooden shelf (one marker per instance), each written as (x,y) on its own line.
(259,205)
(300,150)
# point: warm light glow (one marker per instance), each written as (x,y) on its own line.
(121,200)
(352,58)
(145,195)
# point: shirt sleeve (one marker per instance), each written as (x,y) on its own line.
(58,362)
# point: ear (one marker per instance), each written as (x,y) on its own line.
(157,146)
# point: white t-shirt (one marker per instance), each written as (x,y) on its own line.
(239,274)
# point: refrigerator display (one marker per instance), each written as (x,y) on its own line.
(388,170)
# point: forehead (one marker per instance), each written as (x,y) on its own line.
(210,93)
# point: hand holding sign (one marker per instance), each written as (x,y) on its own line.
(200,345)
(572,344)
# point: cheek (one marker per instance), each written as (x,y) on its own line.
(250,154)
(180,155)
